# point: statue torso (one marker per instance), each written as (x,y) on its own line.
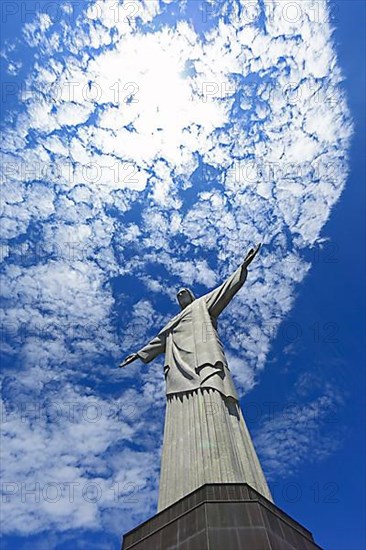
(194,354)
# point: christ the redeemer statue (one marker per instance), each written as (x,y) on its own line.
(205,436)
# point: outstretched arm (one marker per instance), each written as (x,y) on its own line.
(152,349)
(148,352)
(220,297)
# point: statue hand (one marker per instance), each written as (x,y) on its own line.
(129,359)
(251,255)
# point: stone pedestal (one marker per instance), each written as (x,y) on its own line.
(217,516)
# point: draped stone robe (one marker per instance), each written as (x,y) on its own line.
(205,436)
(194,354)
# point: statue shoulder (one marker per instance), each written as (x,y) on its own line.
(173,321)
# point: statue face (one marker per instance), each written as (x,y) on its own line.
(184,298)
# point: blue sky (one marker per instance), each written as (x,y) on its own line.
(147,153)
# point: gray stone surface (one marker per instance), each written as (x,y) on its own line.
(217,517)
(194,354)
(206,440)
(201,444)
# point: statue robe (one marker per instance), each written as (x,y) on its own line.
(194,354)
(206,439)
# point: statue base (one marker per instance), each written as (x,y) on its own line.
(220,515)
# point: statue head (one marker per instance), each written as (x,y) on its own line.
(185,297)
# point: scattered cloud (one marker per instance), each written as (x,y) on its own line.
(158,151)
(306,430)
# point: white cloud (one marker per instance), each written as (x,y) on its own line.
(284,437)
(14,67)
(279,145)
(71,114)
